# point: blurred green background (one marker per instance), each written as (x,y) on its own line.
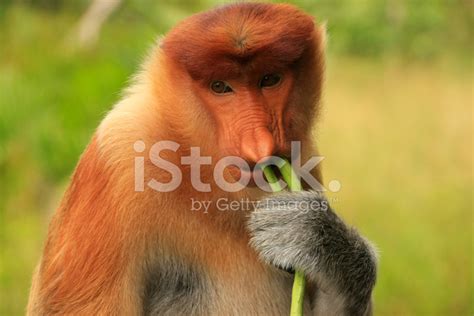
(396,130)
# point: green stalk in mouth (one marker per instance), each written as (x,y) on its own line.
(289,176)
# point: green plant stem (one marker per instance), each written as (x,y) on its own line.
(297,294)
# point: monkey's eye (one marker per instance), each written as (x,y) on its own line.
(220,87)
(270,80)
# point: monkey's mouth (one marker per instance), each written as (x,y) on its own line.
(244,176)
(250,177)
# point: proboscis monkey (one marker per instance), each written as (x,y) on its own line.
(240,80)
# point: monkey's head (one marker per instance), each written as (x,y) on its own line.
(256,70)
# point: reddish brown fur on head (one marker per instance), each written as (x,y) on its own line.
(239,44)
(245,36)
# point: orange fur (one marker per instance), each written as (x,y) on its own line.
(104,235)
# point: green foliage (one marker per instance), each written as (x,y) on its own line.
(412,29)
(395,132)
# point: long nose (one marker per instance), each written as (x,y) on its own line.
(257,144)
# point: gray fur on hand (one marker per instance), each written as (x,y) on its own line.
(300,231)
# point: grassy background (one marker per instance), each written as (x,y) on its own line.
(396,131)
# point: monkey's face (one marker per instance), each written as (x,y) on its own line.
(253,69)
(249,112)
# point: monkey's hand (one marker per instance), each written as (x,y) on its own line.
(300,231)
